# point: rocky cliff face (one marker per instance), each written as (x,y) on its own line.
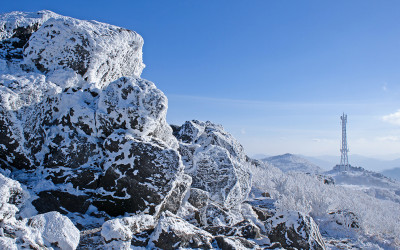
(84,139)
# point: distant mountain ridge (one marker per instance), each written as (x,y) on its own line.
(370,163)
(393,173)
(290,162)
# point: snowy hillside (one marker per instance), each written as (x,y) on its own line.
(88,161)
(290,162)
(372,183)
(348,218)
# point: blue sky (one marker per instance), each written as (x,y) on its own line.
(275,74)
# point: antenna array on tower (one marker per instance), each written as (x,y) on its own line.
(344,160)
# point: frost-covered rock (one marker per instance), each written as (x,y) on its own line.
(216,162)
(12,197)
(345,218)
(173,232)
(139,175)
(37,232)
(16,28)
(123,229)
(99,52)
(246,229)
(136,105)
(235,243)
(75,114)
(54,228)
(198,198)
(294,229)
(216,215)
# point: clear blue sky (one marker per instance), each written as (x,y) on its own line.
(275,74)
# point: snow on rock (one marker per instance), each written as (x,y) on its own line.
(294,229)
(173,232)
(41,232)
(12,197)
(198,198)
(216,162)
(16,28)
(136,105)
(236,243)
(99,52)
(54,228)
(123,229)
(44,230)
(139,175)
(75,114)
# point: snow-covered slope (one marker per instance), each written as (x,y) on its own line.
(372,183)
(347,218)
(290,162)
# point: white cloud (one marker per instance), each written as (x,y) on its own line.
(384,87)
(389,138)
(392,118)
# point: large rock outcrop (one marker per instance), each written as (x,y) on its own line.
(79,122)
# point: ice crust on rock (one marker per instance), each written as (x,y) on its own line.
(294,229)
(99,52)
(56,229)
(16,28)
(12,197)
(39,231)
(139,175)
(173,232)
(124,228)
(216,162)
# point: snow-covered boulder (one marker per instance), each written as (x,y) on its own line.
(198,198)
(54,228)
(100,53)
(41,232)
(123,229)
(140,175)
(12,197)
(246,229)
(216,162)
(294,229)
(136,105)
(173,232)
(345,218)
(237,243)
(16,28)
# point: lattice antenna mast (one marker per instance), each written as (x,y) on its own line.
(344,160)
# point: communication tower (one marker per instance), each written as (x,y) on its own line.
(344,160)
